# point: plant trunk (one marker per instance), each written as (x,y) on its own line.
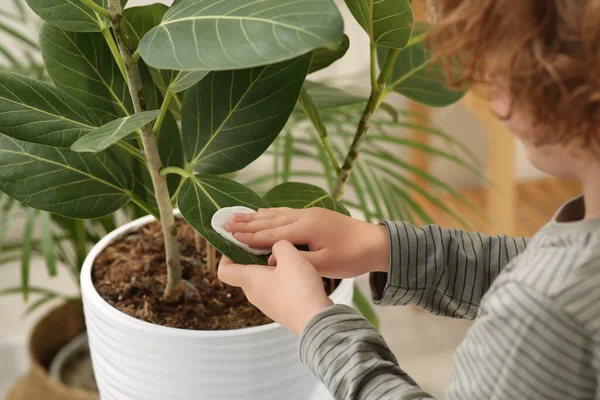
(173,290)
(211,258)
(354,151)
(377,95)
(199,242)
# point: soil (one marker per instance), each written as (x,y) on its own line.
(130,275)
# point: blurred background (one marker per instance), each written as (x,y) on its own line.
(458,168)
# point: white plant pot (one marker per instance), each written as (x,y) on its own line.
(137,360)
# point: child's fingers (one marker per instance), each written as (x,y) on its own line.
(262,213)
(314,257)
(242,275)
(267,238)
(286,254)
(261,224)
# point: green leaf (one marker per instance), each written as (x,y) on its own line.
(38,303)
(102,138)
(325,96)
(235,34)
(32,289)
(64,182)
(302,195)
(425,217)
(177,81)
(416,188)
(82,65)
(18,36)
(387,22)
(71,15)
(26,251)
(323,58)
(19,5)
(365,308)
(47,238)
(418,77)
(203,195)
(36,112)
(140,20)
(231,117)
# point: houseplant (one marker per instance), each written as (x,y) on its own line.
(70,151)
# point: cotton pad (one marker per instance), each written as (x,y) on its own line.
(225,215)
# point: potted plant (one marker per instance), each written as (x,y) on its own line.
(107,135)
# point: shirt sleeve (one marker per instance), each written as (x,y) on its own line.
(444,271)
(522,346)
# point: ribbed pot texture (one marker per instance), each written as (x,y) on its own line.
(136,360)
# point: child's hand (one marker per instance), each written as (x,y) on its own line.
(291,293)
(341,247)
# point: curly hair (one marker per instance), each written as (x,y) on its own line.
(545,54)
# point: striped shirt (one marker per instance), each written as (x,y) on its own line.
(536,305)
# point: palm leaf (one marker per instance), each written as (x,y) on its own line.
(26,251)
(47,238)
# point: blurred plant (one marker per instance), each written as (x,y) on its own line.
(382,186)
(19,52)
(62,243)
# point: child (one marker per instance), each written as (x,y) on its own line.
(536,302)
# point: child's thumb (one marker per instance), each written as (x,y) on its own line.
(284,253)
(241,275)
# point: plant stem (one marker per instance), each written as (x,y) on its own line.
(175,170)
(137,153)
(311,111)
(211,258)
(388,66)
(135,57)
(198,241)
(101,11)
(174,287)
(373,57)
(164,108)
(375,99)
(114,49)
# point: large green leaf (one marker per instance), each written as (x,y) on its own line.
(417,76)
(203,195)
(234,34)
(323,58)
(325,96)
(63,182)
(36,112)
(140,20)
(302,195)
(83,66)
(388,22)
(71,15)
(102,138)
(231,117)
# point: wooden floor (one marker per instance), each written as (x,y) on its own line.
(537,202)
